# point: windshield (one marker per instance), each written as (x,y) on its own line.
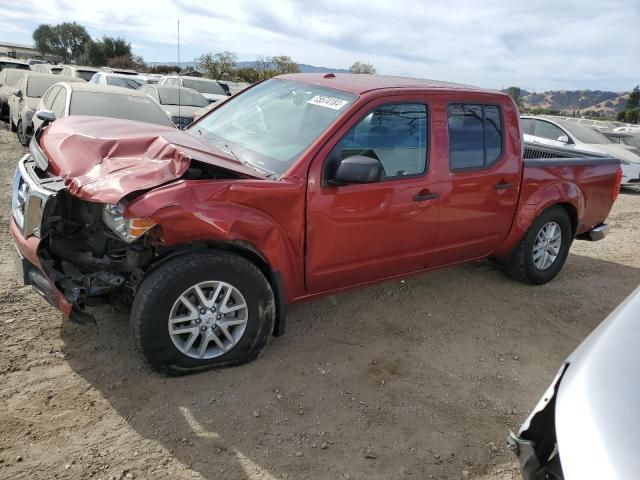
(36,86)
(270,125)
(128,107)
(170,96)
(85,74)
(585,134)
(203,86)
(123,82)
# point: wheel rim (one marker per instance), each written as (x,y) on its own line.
(547,245)
(208,319)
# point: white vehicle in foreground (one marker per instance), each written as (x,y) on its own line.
(586,424)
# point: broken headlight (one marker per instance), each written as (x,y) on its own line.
(128,229)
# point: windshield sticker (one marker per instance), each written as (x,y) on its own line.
(328,102)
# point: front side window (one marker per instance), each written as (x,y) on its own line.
(394,134)
(475,135)
(273,123)
(60,103)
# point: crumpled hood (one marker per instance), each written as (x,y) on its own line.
(104,159)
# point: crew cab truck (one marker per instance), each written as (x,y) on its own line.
(300,186)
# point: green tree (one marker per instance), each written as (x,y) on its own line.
(362,67)
(219,66)
(247,74)
(631,112)
(283,64)
(516,94)
(66,40)
(100,52)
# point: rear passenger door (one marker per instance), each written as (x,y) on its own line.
(480,197)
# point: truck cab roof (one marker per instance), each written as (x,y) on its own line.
(362,83)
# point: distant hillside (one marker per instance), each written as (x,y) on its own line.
(304,68)
(604,102)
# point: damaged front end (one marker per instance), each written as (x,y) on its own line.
(73,251)
(76,250)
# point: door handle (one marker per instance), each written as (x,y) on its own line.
(421,197)
(503,186)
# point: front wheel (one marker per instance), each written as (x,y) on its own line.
(543,249)
(203,310)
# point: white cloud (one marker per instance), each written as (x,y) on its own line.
(535,44)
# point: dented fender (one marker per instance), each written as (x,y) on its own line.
(266,216)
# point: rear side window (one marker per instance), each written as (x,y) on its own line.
(475,135)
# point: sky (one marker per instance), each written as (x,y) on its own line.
(535,44)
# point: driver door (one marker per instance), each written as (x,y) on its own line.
(359,233)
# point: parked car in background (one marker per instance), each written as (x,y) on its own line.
(117,80)
(570,135)
(179,103)
(234,87)
(47,68)
(303,185)
(6,62)
(119,71)
(65,99)
(630,139)
(586,424)
(212,90)
(8,79)
(204,110)
(24,101)
(79,71)
(150,78)
(34,61)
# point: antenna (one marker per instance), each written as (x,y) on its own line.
(179,81)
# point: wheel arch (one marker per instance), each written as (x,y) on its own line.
(249,252)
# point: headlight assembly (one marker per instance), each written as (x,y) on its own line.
(128,229)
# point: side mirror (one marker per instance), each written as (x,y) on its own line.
(563,139)
(357,169)
(47,116)
(18,93)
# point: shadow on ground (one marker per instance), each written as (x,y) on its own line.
(403,379)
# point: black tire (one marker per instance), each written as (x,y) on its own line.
(159,291)
(23,138)
(520,264)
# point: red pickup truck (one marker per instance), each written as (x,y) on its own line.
(299,186)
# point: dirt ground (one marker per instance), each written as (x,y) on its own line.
(415,379)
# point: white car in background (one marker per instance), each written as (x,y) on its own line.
(212,90)
(570,135)
(79,71)
(117,80)
(64,99)
(179,103)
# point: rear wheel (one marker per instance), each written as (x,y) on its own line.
(543,249)
(203,310)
